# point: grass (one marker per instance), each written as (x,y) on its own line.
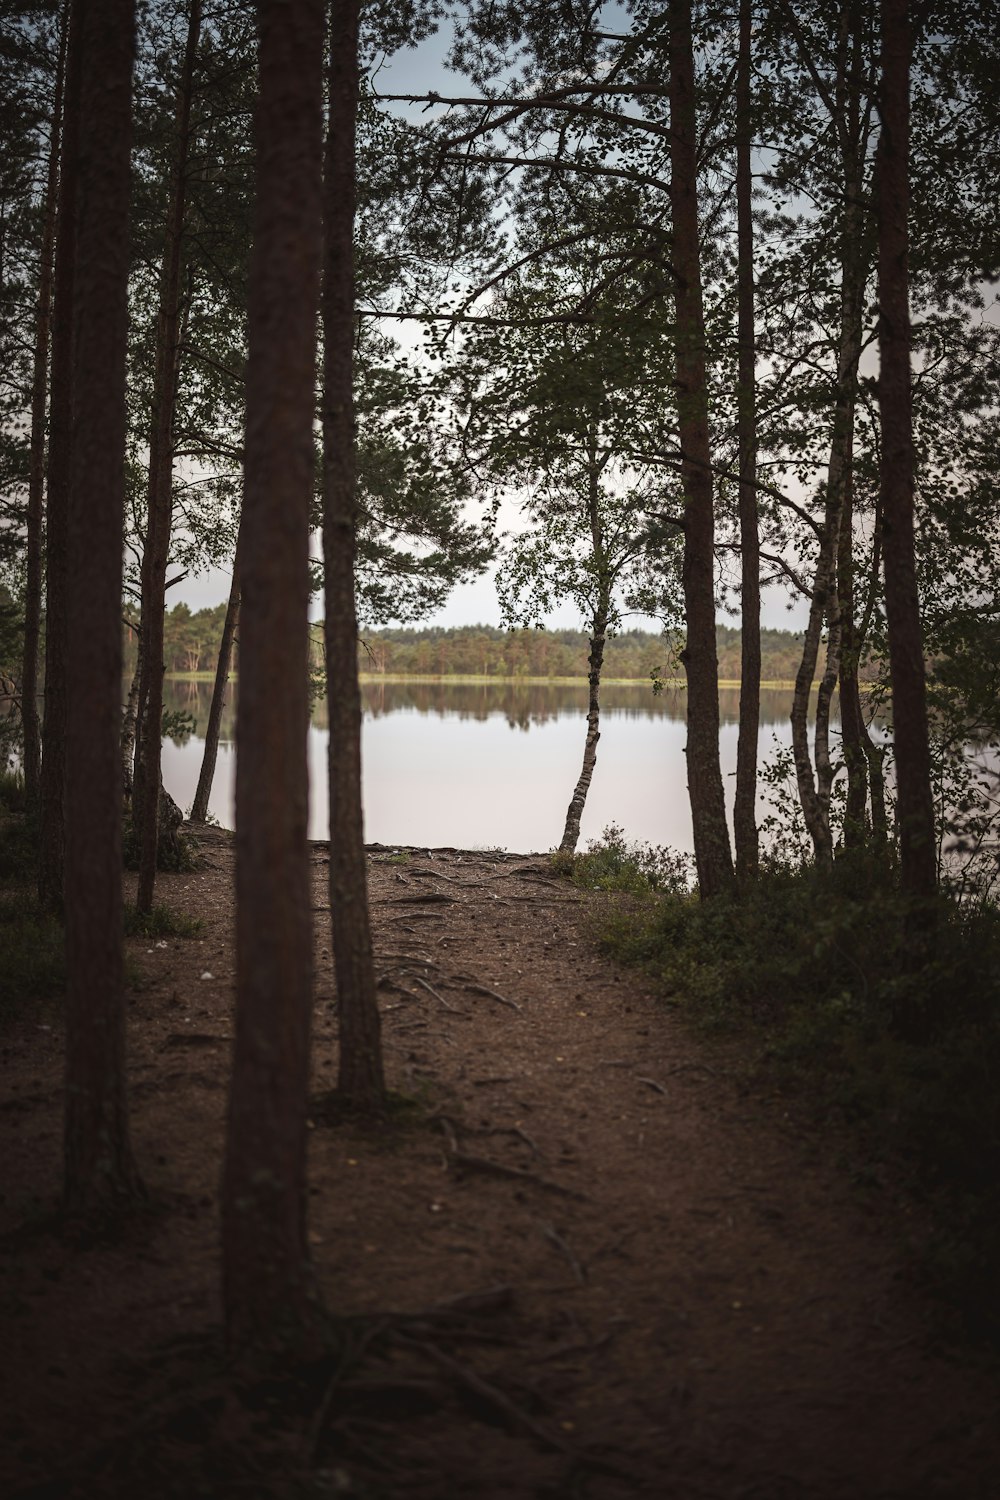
(161,922)
(814,972)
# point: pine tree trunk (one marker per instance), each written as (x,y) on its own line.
(269,1292)
(146,802)
(713,855)
(99,1169)
(36,469)
(745,811)
(361,1078)
(52,778)
(199,808)
(914,803)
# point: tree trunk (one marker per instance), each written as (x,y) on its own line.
(129,721)
(270,1296)
(571,832)
(199,808)
(914,803)
(99,1169)
(874,754)
(146,802)
(745,811)
(361,1078)
(713,855)
(817,826)
(852,724)
(815,794)
(36,470)
(598,636)
(52,778)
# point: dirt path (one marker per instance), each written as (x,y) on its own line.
(687,1300)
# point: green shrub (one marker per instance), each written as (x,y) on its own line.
(613,864)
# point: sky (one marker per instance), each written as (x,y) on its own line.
(418,70)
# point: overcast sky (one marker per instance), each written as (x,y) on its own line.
(417,70)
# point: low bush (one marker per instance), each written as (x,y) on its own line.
(611,863)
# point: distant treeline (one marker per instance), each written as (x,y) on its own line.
(487,651)
(192,643)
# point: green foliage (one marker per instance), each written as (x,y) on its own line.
(611,863)
(818,967)
(175,852)
(178,725)
(161,922)
(490,651)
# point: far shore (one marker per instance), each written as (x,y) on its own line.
(470,680)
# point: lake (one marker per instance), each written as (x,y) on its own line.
(494,765)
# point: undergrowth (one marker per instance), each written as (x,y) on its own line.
(161,922)
(815,969)
(34,964)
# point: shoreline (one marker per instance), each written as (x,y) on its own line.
(397,679)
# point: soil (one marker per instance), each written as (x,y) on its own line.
(584,1262)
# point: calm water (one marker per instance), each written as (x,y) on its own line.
(494,765)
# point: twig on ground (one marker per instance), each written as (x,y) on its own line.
(651,1083)
(555,1238)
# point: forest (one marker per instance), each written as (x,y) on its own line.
(191,644)
(654,309)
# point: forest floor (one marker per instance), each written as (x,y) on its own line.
(587,1262)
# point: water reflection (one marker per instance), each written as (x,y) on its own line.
(520,704)
(493,763)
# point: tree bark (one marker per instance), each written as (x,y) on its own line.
(745,811)
(269,1292)
(199,808)
(130,719)
(713,855)
(914,803)
(598,636)
(52,778)
(99,1169)
(361,1078)
(146,802)
(852,724)
(36,470)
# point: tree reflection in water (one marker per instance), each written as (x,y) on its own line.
(493,763)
